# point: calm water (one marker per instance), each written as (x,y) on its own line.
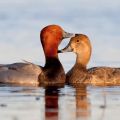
(66,103)
(20,23)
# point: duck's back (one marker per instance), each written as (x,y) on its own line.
(20,73)
(104,76)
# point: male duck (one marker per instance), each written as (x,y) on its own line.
(102,76)
(31,74)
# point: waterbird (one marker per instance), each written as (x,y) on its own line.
(79,73)
(31,74)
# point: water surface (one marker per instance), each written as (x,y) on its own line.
(66,103)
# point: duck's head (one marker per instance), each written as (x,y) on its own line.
(80,44)
(51,36)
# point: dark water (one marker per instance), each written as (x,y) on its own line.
(66,103)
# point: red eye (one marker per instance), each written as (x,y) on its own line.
(77,41)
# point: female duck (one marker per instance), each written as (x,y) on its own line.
(80,45)
(31,74)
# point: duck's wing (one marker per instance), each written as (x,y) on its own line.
(104,71)
(105,75)
(20,73)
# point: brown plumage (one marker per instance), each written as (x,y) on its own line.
(80,74)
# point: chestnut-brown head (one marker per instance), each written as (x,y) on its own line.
(51,36)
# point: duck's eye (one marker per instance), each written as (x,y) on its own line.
(77,41)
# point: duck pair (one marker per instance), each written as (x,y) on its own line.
(53,73)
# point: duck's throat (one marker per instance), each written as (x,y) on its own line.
(82,60)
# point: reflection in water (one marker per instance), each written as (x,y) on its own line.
(67,106)
(82,103)
(65,103)
(51,103)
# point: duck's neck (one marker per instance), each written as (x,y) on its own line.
(53,68)
(83,59)
(52,62)
(51,54)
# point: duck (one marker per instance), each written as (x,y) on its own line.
(80,74)
(27,73)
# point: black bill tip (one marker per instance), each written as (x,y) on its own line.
(59,51)
(77,35)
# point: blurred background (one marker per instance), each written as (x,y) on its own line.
(22,20)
